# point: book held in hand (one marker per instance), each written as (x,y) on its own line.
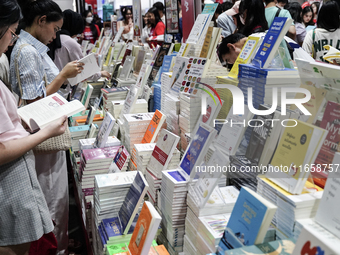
(90,68)
(43,112)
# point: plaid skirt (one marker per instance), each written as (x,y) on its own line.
(24,215)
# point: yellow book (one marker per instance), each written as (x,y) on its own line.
(296,152)
(207,41)
(246,54)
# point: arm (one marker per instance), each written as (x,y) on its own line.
(307,43)
(13,149)
(291,32)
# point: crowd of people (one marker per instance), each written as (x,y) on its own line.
(314,24)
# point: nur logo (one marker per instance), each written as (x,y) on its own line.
(204,99)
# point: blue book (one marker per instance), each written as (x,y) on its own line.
(167,63)
(248,223)
(271,41)
(111,227)
(101,235)
(128,212)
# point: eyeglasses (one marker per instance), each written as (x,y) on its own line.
(14,36)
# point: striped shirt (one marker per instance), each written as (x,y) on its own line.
(34,63)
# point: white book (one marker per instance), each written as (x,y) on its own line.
(41,113)
(119,161)
(231,135)
(328,212)
(90,68)
(126,70)
(114,180)
(163,152)
(104,131)
(129,101)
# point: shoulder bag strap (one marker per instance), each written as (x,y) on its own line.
(313,47)
(278,12)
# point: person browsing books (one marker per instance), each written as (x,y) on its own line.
(156,35)
(24,217)
(38,77)
(71,50)
(127,23)
(295,11)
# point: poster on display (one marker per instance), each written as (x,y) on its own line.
(171,16)
(93,4)
(137,17)
(188,11)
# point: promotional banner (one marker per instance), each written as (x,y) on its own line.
(188,11)
(171,16)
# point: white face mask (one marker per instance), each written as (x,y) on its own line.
(89,19)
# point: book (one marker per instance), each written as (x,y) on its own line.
(129,101)
(283,247)
(104,131)
(271,41)
(327,214)
(248,223)
(193,156)
(139,60)
(314,239)
(163,152)
(41,113)
(246,54)
(296,151)
(332,55)
(90,67)
(119,161)
(125,73)
(131,203)
(145,230)
(154,127)
(207,41)
(86,96)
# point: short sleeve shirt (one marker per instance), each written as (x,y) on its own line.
(270,13)
(10,127)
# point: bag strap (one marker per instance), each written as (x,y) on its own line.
(313,48)
(21,101)
(278,12)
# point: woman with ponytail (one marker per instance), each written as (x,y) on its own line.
(39,77)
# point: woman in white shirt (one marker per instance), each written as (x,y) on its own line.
(327,32)
(127,23)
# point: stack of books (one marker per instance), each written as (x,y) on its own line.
(157,96)
(262,81)
(77,133)
(135,126)
(154,187)
(141,155)
(89,143)
(110,94)
(290,207)
(170,107)
(188,116)
(141,106)
(109,194)
(93,162)
(173,195)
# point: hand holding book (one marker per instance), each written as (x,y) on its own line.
(56,128)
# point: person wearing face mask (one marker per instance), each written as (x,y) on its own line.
(39,77)
(70,49)
(91,31)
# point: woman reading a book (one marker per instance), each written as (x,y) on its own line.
(35,69)
(156,35)
(127,23)
(24,217)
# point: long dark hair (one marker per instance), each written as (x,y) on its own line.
(306,10)
(255,17)
(92,26)
(73,23)
(295,10)
(10,13)
(328,17)
(156,13)
(125,10)
(38,8)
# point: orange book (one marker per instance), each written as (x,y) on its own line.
(156,250)
(154,127)
(145,230)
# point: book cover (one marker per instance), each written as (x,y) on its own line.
(271,41)
(248,222)
(127,213)
(125,73)
(104,131)
(121,158)
(154,127)
(145,230)
(327,214)
(90,67)
(197,148)
(129,101)
(163,152)
(245,55)
(206,44)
